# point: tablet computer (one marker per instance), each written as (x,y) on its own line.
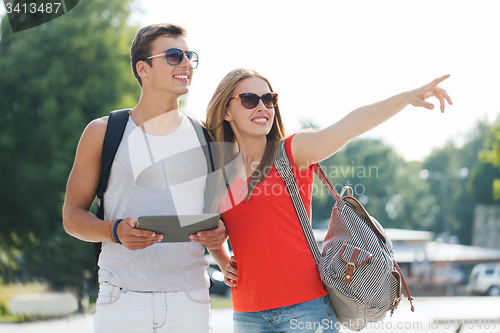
(177,228)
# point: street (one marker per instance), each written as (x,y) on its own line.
(432,314)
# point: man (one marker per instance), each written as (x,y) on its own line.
(145,286)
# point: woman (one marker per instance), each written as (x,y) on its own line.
(276,286)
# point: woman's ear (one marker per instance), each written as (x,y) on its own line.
(227,116)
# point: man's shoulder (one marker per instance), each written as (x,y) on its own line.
(95,131)
(99,123)
(98,126)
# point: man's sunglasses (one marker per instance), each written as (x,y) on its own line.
(251,100)
(175,56)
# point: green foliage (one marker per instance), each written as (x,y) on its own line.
(447,161)
(496,189)
(6,316)
(485,176)
(389,187)
(462,193)
(4,307)
(481,183)
(491,154)
(55,79)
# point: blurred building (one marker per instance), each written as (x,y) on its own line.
(429,265)
(486,228)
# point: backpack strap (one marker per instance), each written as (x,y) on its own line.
(205,141)
(117,122)
(284,168)
(405,286)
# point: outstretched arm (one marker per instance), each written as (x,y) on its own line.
(314,146)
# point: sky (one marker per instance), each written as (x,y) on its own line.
(325,58)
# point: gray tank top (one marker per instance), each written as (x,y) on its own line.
(175,187)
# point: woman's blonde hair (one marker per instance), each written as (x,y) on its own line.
(220,130)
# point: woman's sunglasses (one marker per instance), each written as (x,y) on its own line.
(251,100)
(175,56)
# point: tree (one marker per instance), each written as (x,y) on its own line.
(388,186)
(55,79)
(462,192)
(491,155)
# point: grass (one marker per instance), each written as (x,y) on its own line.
(9,290)
(218,302)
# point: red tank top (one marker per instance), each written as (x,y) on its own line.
(275,265)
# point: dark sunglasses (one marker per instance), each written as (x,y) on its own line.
(251,100)
(175,56)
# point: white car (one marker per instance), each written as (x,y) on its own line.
(484,280)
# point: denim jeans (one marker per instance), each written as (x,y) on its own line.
(124,311)
(312,316)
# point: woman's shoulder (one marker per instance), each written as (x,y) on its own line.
(301,145)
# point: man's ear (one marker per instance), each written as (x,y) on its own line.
(142,69)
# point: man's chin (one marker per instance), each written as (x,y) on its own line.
(183,90)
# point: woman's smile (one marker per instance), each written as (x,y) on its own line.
(261,120)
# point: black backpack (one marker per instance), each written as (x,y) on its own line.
(117,122)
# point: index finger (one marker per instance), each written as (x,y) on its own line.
(437,81)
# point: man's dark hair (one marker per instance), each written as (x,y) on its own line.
(141,45)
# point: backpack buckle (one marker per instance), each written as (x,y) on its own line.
(289,168)
(349,271)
